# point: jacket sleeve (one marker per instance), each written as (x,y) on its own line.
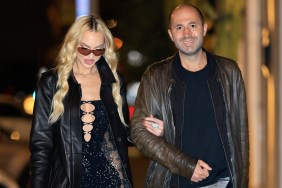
(41,137)
(154,147)
(244,130)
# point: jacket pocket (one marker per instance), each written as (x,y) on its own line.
(150,174)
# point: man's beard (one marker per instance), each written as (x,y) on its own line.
(193,52)
(199,47)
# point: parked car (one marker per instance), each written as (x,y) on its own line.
(15,127)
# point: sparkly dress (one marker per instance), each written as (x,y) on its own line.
(101,164)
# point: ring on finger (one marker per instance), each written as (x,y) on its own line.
(155,125)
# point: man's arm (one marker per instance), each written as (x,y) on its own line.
(244,130)
(152,146)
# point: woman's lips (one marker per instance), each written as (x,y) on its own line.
(89,62)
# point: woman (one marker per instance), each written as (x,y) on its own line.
(80,124)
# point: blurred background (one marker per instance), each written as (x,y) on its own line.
(246,31)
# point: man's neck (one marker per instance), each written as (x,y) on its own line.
(195,62)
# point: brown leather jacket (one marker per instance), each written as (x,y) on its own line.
(166,158)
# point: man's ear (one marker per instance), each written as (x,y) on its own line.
(170,34)
(205,28)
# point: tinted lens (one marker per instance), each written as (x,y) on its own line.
(98,52)
(83,51)
(86,51)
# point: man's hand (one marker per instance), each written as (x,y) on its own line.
(201,171)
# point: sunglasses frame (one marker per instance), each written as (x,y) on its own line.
(86,51)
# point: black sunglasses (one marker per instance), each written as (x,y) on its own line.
(86,51)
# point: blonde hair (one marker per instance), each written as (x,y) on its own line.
(67,57)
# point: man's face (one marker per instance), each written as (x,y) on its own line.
(186,30)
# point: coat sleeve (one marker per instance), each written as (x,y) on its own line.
(41,137)
(154,147)
(244,130)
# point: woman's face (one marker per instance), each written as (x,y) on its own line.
(89,50)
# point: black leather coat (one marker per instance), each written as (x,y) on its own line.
(56,150)
(154,97)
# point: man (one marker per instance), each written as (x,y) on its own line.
(198,100)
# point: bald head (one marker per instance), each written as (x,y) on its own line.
(186,7)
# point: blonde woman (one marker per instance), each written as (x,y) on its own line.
(79,135)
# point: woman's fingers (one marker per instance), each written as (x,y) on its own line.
(154,125)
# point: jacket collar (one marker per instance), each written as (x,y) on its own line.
(105,72)
(212,63)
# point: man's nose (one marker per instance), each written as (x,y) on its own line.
(187,32)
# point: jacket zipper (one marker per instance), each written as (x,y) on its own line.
(150,170)
(182,125)
(172,83)
(229,168)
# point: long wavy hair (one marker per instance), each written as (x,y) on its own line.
(67,56)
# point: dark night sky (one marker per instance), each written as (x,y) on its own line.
(25,37)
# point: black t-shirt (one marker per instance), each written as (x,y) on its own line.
(200,135)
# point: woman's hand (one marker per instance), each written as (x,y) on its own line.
(154,125)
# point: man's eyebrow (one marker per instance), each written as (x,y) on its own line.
(177,25)
(181,24)
(193,22)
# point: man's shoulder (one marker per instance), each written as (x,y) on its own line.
(227,66)
(159,65)
(160,70)
(223,59)
(226,63)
